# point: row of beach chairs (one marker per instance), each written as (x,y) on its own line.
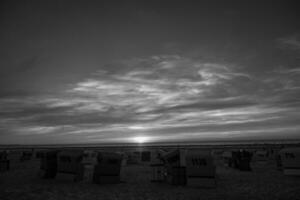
(103,168)
(177,167)
(193,168)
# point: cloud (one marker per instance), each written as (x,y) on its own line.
(165,97)
(291,42)
(164,81)
(284,80)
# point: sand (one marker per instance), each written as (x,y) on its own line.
(264,182)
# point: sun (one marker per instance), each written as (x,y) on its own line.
(137,127)
(140,139)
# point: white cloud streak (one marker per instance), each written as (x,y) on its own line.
(158,95)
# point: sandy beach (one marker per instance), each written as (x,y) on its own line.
(263,182)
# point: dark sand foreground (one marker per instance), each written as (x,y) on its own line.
(264,182)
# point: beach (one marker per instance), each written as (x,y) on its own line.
(265,181)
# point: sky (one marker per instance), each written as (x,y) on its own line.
(149,71)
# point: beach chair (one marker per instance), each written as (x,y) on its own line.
(69,165)
(4,162)
(48,167)
(175,170)
(200,169)
(26,155)
(290,158)
(108,168)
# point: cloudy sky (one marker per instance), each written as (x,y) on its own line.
(163,71)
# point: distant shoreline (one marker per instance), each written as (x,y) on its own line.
(153,145)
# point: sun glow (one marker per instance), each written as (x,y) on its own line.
(137,127)
(140,139)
